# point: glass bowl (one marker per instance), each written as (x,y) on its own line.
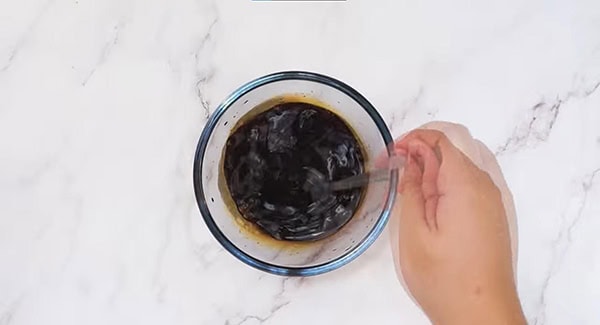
(243,239)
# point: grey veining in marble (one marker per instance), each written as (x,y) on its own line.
(102,102)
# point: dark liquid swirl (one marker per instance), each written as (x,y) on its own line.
(265,170)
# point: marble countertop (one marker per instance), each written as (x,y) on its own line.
(102,103)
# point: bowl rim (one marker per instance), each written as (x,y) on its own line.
(201,200)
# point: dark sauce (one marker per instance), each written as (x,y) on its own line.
(265,169)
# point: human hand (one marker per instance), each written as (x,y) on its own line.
(450,234)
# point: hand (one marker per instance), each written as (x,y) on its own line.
(451,235)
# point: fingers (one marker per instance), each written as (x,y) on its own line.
(429,168)
(435,166)
(412,201)
(383,159)
(408,224)
(419,185)
(459,136)
(436,140)
(448,156)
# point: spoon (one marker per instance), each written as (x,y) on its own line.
(317,184)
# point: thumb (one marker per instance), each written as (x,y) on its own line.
(418,188)
(412,201)
(407,225)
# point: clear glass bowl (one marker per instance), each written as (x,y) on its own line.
(244,240)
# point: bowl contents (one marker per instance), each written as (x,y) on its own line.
(266,161)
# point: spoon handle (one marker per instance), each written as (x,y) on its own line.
(376,175)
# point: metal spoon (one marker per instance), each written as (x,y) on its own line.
(317,184)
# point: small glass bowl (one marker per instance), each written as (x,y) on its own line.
(243,239)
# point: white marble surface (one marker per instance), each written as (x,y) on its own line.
(102,102)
